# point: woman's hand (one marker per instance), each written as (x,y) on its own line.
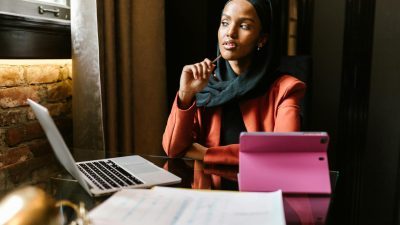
(196,151)
(194,78)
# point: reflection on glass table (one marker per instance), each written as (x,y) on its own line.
(299,209)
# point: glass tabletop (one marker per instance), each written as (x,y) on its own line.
(299,208)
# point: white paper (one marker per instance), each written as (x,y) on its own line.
(175,206)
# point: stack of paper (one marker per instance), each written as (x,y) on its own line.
(175,206)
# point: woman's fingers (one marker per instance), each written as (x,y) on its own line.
(197,70)
(190,70)
(201,70)
(205,70)
(195,77)
(194,71)
(208,68)
(209,63)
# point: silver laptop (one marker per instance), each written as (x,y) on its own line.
(100,177)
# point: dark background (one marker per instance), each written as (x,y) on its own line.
(353,90)
(23,38)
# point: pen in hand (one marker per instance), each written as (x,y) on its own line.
(214,61)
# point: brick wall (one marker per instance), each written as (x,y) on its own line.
(25,154)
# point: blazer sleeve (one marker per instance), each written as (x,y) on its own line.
(225,155)
(287,115)
(181,130)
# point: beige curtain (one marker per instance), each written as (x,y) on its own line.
(132,62)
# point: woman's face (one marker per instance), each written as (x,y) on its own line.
(240,31)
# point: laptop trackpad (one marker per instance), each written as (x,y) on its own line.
(136,164)
(142,168)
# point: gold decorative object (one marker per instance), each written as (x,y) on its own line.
(32,206)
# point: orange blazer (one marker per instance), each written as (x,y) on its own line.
(276,111)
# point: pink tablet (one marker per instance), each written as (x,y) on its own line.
(295,162)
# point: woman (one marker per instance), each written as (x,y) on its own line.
(246,93)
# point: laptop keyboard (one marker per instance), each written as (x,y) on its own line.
(107,174)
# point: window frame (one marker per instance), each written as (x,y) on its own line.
(36,9)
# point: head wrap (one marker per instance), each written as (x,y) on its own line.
(253,82)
